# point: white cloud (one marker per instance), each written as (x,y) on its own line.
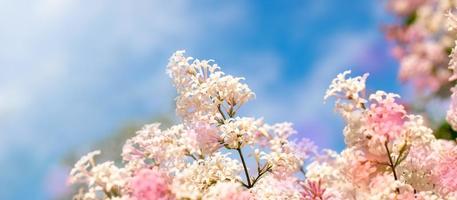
(305,99)
(303,103)
(342,52)
(63,69)
(50,47)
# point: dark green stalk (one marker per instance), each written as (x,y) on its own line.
(248,178)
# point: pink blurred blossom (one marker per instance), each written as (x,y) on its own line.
(451,116)
(207,138)
(313,190)
(150,184)
(360,171)
(446,173)
(404,7)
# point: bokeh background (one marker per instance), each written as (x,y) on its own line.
(78,74)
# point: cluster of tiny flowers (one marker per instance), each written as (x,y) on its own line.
(212,154)
(216,154)
(452,112)
(389,153)
(422,42)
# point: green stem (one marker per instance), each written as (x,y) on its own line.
(391,164)
(220,111)
(248,178)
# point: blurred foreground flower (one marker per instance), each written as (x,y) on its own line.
(422,43)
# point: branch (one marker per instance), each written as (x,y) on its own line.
(262,172)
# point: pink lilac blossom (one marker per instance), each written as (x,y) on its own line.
(228,191)
(207,138)
(421,42)
(404,7)
(385,118)
(312,190)
(305,148)
(358,168)
(150,184)
(445,171)
(376,164)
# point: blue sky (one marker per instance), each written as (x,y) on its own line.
(74,71)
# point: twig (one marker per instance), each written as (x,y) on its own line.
(391,164)
(220,111)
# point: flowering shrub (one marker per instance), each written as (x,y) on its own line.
(390,154)
(216,154)
(212,154)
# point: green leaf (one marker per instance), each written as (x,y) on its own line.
(445,131)
(411,19)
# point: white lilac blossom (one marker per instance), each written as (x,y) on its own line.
(212,154)
(204,90)
(216,154)
(194,181)
(272,188)
(351,89)
(238,132)
(105,177)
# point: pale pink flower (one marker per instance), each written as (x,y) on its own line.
(451,116)
(244,195)
(421,42)
(207,138)
(358,169)
(305,148)
(148,184)
(262,138)
(313,190)
(421,65)
(227,191)
(445,171)
(384,117)
(404,7)
(404,35)
(398,52)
